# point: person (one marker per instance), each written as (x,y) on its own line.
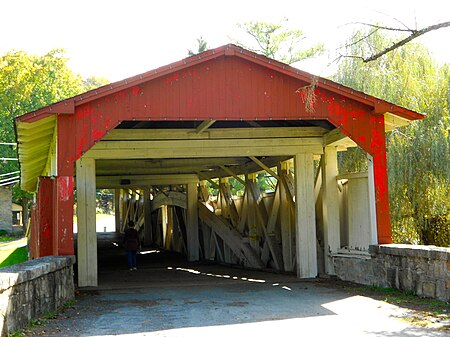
(131,243)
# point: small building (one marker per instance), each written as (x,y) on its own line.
(224,113)
(17,213)
(6,209)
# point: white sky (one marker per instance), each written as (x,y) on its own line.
(117,39)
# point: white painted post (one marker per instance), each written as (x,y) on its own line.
(305,217)
(372,203)
(117,207)
(192,222)
(330,207)
(87,236)
(147,217)
(285,220)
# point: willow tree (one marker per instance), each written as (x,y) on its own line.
(419,154)
(278,42)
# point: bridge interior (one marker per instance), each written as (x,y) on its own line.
(160,268)
(177,181)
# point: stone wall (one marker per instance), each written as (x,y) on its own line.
(5,208)
(31,289)
(424,270)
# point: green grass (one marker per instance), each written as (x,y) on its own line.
(15,256)
(7,238)
(12,252)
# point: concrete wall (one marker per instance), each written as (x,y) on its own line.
(5,208)
(425,270)
(31,289)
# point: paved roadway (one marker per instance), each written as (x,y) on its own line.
(169,297)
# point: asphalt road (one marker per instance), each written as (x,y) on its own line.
(167,296)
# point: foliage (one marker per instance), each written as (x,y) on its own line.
(105,201)
(94,82)
(277,42)
(419,154)
(202,47)
(27,83)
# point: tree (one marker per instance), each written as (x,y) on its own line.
(94,82)
(411,34)
(419,154)
(27,83)
(277,42)
(202,47)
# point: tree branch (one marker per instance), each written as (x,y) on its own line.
(414,34)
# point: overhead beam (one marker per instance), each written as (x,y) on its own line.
(232,133)
(127,181)
(204,125)
(207,143)
(212,182)
(234,175)
(337,138)
(265,149)
(265,167)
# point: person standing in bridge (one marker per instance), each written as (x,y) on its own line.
(131,243)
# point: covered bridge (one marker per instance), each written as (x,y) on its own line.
(224,113)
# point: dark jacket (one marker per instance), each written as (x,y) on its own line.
(131,239)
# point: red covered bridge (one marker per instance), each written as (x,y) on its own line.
(224,113)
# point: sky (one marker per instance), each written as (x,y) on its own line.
(118,39)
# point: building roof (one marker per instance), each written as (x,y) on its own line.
(37,130)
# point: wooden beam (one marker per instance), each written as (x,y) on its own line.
(223,133)
(128,181)
(192,223)
(265,167)
(330,207)
(287,232)
(148,239)
(260,150)
(207,143)
(305,219)
(87,237)
(337,138)
(234,175)
(230,236)
(372,202)
(204,125)
(212,182)
(117,208)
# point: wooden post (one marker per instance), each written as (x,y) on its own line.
(147,217)
(305,219)
(87,237)
(117,207)
(380,177)
(192,222)
(285,220)
(43,234)
(251,213)
(372,202)
(63,215)
(330,207)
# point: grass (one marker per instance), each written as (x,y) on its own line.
(15,256)
(12,250)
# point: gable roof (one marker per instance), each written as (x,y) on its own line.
(67,106)
(37,130)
